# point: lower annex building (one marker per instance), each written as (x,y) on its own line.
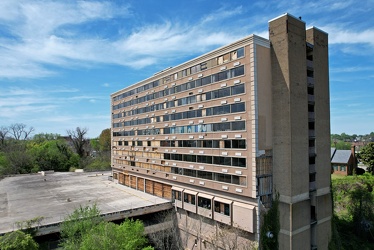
(219,134)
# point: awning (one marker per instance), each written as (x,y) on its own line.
(219,199)
(190,192)
(207,196)
(177,189)
(239,204)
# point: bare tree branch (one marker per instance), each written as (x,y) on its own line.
(79,140)
(19,131)
(3,132)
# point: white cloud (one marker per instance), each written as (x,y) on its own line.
(41,39)
(220,14)
(45,34)
(351,69)
(343,35)
(28,103)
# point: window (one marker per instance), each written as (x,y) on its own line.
(177,195)
(239,162)
(240,52)
(139,143)
(343,168)
(238,125)
(237,107)
(235,180)
(207,143)
(223,178)
(237,89)
(215,144)
(205,175)
(222,208)
(204,202)
(224,92)
(217,160)
(206,80)
(225,126)
(189,172)
(191,158)
(204,159)
(238,144)
(234,55)
(237,71)
(189,198)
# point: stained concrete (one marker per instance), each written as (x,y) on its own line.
(55,195)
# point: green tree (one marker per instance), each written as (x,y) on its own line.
(17,240)
(95,145)
(106,236)
(52,155)
(45,137)
(4,164)
(341,145)
(270,227)
(84,229)
(20,161)
(77,224)
(367,156)
(104,140)
(353,222)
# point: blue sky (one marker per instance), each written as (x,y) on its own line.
(61,60)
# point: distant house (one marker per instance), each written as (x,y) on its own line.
(343,162)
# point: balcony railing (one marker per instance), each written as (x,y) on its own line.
(309,64)
(311,115)
(312,186)
(310,81)
(312,133)
(312,150)
(312,168)
(311,98)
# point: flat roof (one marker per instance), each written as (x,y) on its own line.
(55,195)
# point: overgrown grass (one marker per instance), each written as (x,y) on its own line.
(337,176)
(353,209)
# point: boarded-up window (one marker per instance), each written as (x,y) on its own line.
(158,189)
(141,184)
(167,191)
(133,182)
(149,186)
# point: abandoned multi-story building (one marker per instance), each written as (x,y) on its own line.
(221,133)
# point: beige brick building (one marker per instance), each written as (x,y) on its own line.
(217,134)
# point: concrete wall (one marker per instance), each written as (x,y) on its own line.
(290,130)
(209,234)
(319,39)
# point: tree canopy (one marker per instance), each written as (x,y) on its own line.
(353,223)
(84,229)
(367,156)
(17,240)
(104,140)
(21,153)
